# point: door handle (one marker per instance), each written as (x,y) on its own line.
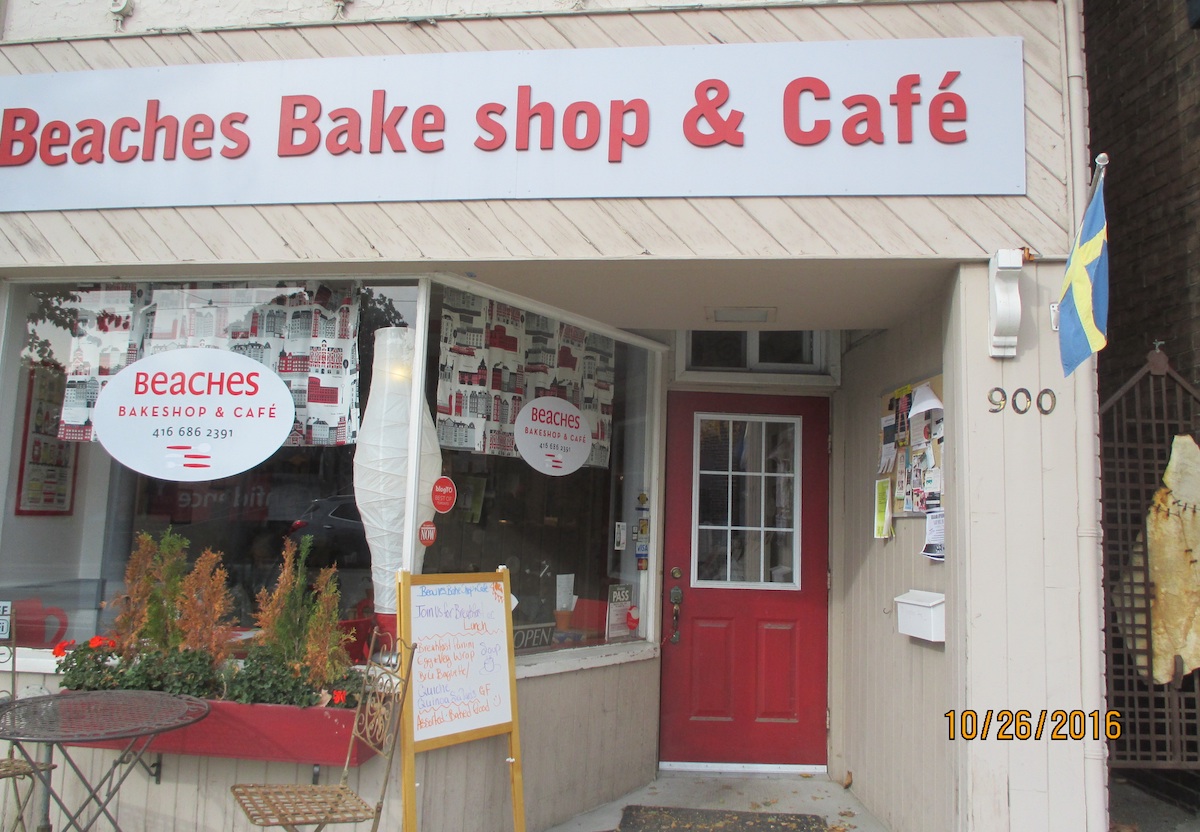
(676,598)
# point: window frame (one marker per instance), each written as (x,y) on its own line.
(825,372)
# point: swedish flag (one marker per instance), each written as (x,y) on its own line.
(1083,309)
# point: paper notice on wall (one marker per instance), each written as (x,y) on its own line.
(933,488)
(620,602)
(883,509)
(935,535)
(565,596)
(887,455)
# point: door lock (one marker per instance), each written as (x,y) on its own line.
(676,598)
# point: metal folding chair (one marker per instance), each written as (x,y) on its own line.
(18,772)
(377,722)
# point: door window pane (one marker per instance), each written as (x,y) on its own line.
(712,556)
(714,445)
(713,504)
(746,505)
(747,501)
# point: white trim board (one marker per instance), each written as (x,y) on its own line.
(747,768)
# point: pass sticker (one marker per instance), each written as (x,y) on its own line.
(553,436)
(193,414)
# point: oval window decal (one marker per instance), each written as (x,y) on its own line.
(553,436)
(193,414)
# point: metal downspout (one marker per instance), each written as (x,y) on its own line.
(1087,454)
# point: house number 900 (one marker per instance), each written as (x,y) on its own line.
(1022,400)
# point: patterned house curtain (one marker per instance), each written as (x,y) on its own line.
(308,335)
(494,357)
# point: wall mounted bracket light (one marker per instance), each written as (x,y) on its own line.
(1004,302)
(120,9)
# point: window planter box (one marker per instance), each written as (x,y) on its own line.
(276,733)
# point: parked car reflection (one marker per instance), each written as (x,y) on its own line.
(337,533)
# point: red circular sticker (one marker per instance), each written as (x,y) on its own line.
(444,495)
(427,533)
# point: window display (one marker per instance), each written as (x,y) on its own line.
(551,526)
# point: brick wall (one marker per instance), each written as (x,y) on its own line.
(1143,65)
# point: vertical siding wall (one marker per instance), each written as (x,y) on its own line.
(1018,531)
(1012,580)
(587,738)
(888,691)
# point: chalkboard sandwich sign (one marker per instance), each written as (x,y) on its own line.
(464,681)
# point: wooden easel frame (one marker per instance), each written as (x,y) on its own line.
(410,746)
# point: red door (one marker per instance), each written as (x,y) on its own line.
(745,601)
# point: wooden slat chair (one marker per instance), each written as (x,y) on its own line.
(15,770)
(377,722)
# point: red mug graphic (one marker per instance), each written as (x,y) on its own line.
(32,622)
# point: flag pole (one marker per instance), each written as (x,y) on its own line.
(1097,176)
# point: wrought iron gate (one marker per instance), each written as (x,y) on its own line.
(1160,724)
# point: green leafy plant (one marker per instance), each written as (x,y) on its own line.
(173,627)
(91,666)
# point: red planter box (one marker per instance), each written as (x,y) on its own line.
(277,733)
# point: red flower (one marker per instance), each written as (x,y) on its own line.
(62,647)
(97,641)
(112,644)
(339,697)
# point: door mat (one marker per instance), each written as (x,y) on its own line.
(667,819)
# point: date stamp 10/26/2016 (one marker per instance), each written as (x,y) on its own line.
(1033,725)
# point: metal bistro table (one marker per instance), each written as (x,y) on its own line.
(95,716)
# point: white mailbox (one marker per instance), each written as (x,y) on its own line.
(922,614)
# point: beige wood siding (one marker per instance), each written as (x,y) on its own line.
(888,691)
(586,738)
(1011,578)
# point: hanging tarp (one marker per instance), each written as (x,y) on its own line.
(307,334)
(494,357)
(1173,547)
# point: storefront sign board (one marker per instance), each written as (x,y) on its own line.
(872,117)
(193,414)
(464,679)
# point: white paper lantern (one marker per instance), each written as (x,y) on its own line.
(382,464)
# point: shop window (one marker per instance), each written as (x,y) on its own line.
(318,336)
(554,533)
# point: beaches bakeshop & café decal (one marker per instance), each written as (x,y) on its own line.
(193,414)
(553,436)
